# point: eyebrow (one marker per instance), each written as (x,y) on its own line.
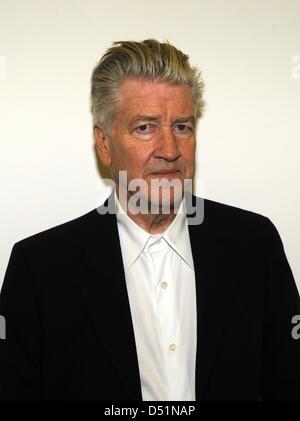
(142,117)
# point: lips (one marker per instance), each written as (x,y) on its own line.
(165,172)
(169,174)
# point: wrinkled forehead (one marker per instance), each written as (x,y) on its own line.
(141,97)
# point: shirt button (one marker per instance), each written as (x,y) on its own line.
(172,347)
(164,285)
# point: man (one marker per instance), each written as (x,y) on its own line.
(131,302)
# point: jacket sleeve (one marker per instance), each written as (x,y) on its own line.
(20,351)
(281,350)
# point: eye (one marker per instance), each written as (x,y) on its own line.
(183,128)
(144,128)
(144,131)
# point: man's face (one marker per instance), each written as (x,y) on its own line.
(153,132)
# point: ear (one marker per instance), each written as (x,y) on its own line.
(102,145)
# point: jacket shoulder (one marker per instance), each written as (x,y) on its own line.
(218,208)
(229,218)
(70,231)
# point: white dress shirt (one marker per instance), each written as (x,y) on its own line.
(160,281)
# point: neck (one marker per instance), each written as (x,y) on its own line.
(154,223)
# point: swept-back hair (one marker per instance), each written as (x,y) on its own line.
(147,60)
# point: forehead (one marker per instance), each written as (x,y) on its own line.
(147,96)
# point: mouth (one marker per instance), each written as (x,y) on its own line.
(165,172)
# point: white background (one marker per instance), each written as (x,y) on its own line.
(248,141)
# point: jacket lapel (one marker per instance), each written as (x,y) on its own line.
(211,294)
(105,294)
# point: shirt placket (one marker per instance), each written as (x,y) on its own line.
(164,288)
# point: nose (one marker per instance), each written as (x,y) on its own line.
(167,146)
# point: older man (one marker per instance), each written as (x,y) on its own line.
(132,302)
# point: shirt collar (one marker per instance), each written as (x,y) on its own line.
(133,238)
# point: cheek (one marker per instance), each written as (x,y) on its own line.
(188,152)
(133,160)
(139,155)
(188,157)
(121,155)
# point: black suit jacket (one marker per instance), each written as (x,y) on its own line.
(69,333)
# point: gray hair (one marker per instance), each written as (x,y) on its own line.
(147,60)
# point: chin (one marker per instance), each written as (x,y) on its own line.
(165,202)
